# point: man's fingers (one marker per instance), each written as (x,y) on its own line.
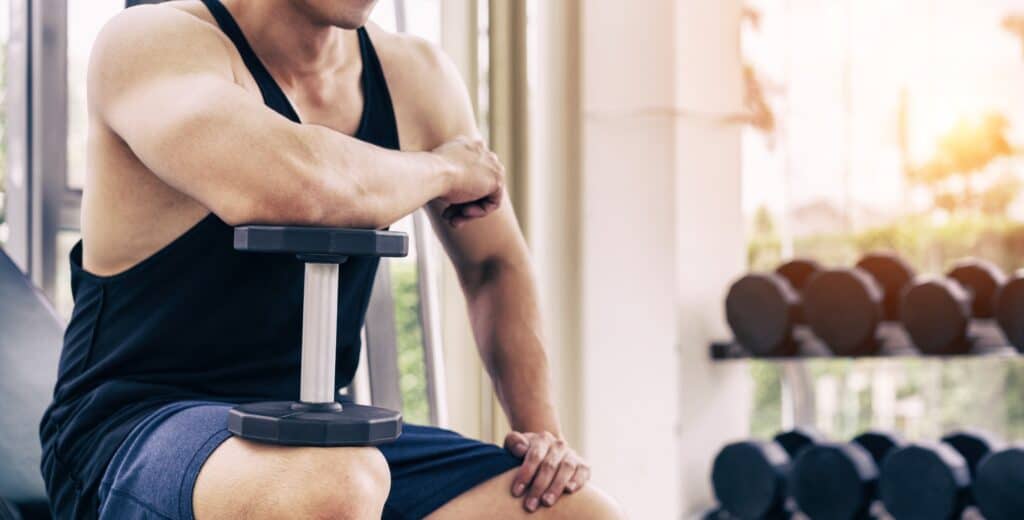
(474,210)
(579,479)
(565,472)
(545,474)
(516,443)
(535,455)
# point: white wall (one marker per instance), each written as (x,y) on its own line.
(638,231)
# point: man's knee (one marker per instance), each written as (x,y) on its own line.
(338,483)
(243,479)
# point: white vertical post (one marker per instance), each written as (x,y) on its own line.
(715,398)
(319,333)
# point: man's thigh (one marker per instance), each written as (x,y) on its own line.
(243,479)
(494,500)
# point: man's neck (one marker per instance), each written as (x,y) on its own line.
(289,42)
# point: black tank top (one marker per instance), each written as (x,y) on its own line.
(196,320)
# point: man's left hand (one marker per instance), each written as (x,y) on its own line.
(550,468)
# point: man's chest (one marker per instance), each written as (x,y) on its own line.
(340,103)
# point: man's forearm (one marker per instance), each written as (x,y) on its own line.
(354,184)
(506,321)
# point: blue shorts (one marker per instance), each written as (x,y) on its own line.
(153,473)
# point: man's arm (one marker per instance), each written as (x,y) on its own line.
(496,273)
(162,81)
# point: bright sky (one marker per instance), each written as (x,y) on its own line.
(952,56)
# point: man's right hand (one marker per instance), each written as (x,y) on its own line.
(477,183)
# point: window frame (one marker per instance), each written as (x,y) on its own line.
(41,202)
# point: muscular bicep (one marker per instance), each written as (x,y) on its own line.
(496,236)
(162,81)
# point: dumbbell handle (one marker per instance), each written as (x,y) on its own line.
(319,332)
(322,250)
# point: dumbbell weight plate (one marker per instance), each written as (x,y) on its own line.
(924,481)
(798,272)
(972,446)
(999,486)
(844,307)
(749,479)
(936,314)
(878,443)
(893,275)
(761,310)
(982,279)
(1010,310)
(833,480)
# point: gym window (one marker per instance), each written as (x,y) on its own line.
(856,111)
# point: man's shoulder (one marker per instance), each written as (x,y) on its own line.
(157,30)
(426,83)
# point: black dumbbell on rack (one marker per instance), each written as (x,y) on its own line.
(749,478)
(856,311)
(1009,310)
(998,488)
(764,310)
(953,315)
(941,472)
(836,480)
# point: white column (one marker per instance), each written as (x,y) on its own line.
(629,367)
(715,398)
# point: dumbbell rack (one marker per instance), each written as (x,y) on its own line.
(813,348)
(878,309)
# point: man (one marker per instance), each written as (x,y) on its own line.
(205,115)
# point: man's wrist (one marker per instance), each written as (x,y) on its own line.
(443,172)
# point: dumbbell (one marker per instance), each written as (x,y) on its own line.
(317,418)
(763,309)
(854,311)
(749,478)
(1009,309)
(835,480)
(998,488)
(937,312)
(940,471)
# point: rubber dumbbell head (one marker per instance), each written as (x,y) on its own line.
(798,272)
(797,439)
(926,481)
(973,445)
(844,308)
(833,480)
(1009,310)
(762,310)
(879,444)
(893,275)
(840,480)
(982,279)
(937,314)
(749,479)
(998,487)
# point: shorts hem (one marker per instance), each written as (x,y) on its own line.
(188,481)
(453,490)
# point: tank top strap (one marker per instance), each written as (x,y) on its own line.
(379,123)
(273,96)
